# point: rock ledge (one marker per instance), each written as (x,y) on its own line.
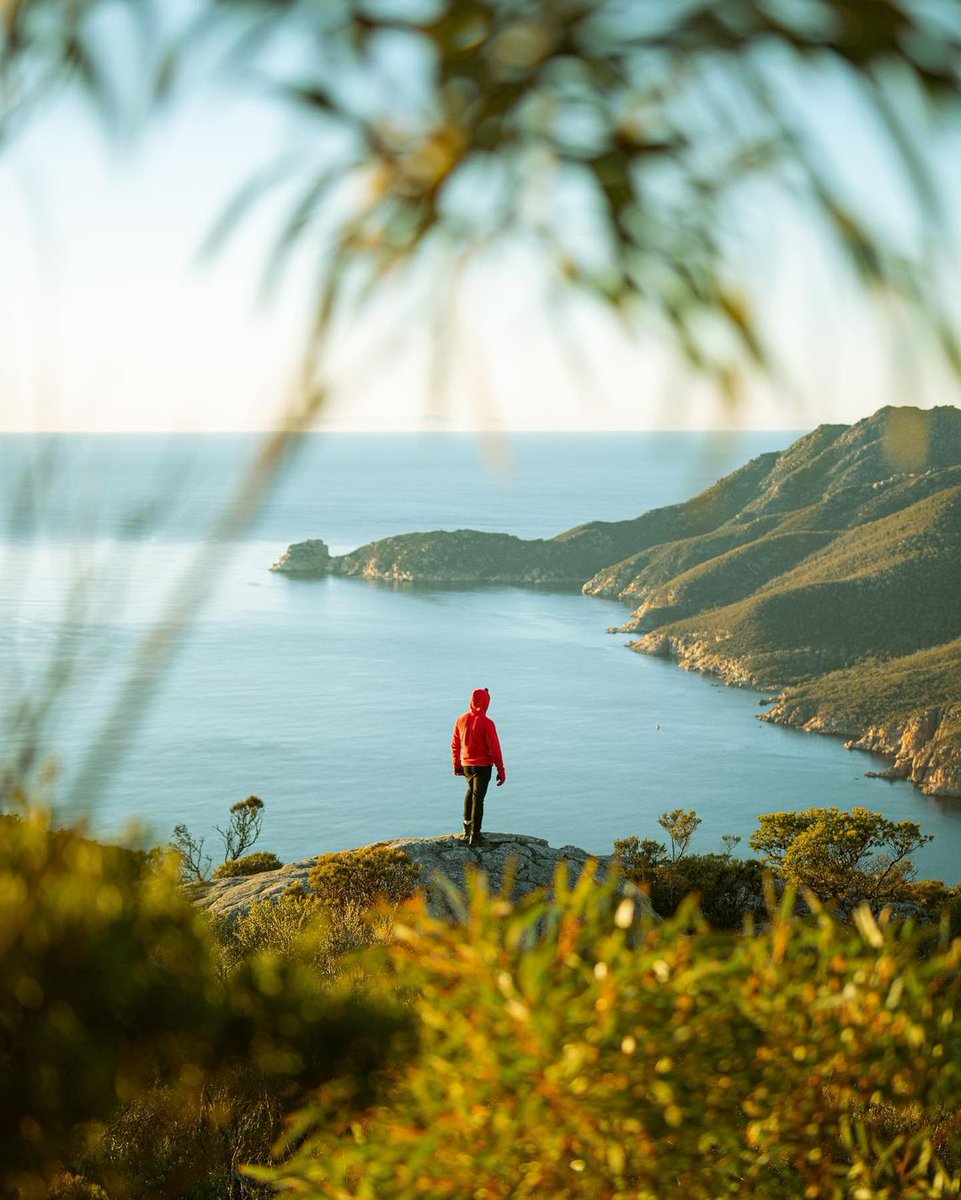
(447,856)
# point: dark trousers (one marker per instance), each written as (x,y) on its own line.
(478,780)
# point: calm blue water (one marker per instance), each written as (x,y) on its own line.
(333,700)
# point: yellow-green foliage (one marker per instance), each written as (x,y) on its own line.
(249,864)
(845,856)
(98,986)
(567,1052)
(728,889)
(68,1186)
(364,877)
(110,982)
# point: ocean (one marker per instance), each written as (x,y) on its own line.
(333,700)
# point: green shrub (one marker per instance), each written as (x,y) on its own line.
(728,889)
(842,856)
(102,972)
(566,1052)
(279,927)
(157,1148)
(364,877)
(250,864)
(244,824)
(110,982)
(638,856)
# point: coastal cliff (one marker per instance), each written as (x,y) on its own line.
(829,574)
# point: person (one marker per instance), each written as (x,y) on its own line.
(476,750)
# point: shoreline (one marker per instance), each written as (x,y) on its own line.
(910,747)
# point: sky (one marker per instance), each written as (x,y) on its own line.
(112,319)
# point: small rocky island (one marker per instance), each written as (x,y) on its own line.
(530,861)
(828,575)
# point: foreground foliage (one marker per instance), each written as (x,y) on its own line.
(114,1002)
(553,1047)
(567,1051)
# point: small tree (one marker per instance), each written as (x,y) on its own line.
(640,856)
(730,841)
(845,856)
(194,864)
(243,828)
(679,824)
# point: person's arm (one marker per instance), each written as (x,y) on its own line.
(455,751)
(494,750)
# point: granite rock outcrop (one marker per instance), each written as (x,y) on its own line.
(530,861)
(304,558)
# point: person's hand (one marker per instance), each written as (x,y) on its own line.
(458,770)
(501,777)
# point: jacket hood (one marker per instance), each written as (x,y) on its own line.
(480,700)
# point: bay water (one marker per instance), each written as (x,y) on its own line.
(333,699)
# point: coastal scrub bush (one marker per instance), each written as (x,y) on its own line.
(280,927)
(728,889)
(110,988)
(639,855)
(102,971)
(364,877)
(157,1148)
(566,1050)
(250,864)
(841,856)
(69,1186)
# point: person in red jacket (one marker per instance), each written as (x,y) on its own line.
(476,750)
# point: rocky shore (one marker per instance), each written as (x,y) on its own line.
(529,861)
(923,747)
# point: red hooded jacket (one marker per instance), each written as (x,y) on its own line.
(475,742)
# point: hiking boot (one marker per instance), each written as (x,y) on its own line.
(467,831)
(475,839)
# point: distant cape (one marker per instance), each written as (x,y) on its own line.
(828,574)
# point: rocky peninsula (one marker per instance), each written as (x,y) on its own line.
(530,862)
(827,575)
